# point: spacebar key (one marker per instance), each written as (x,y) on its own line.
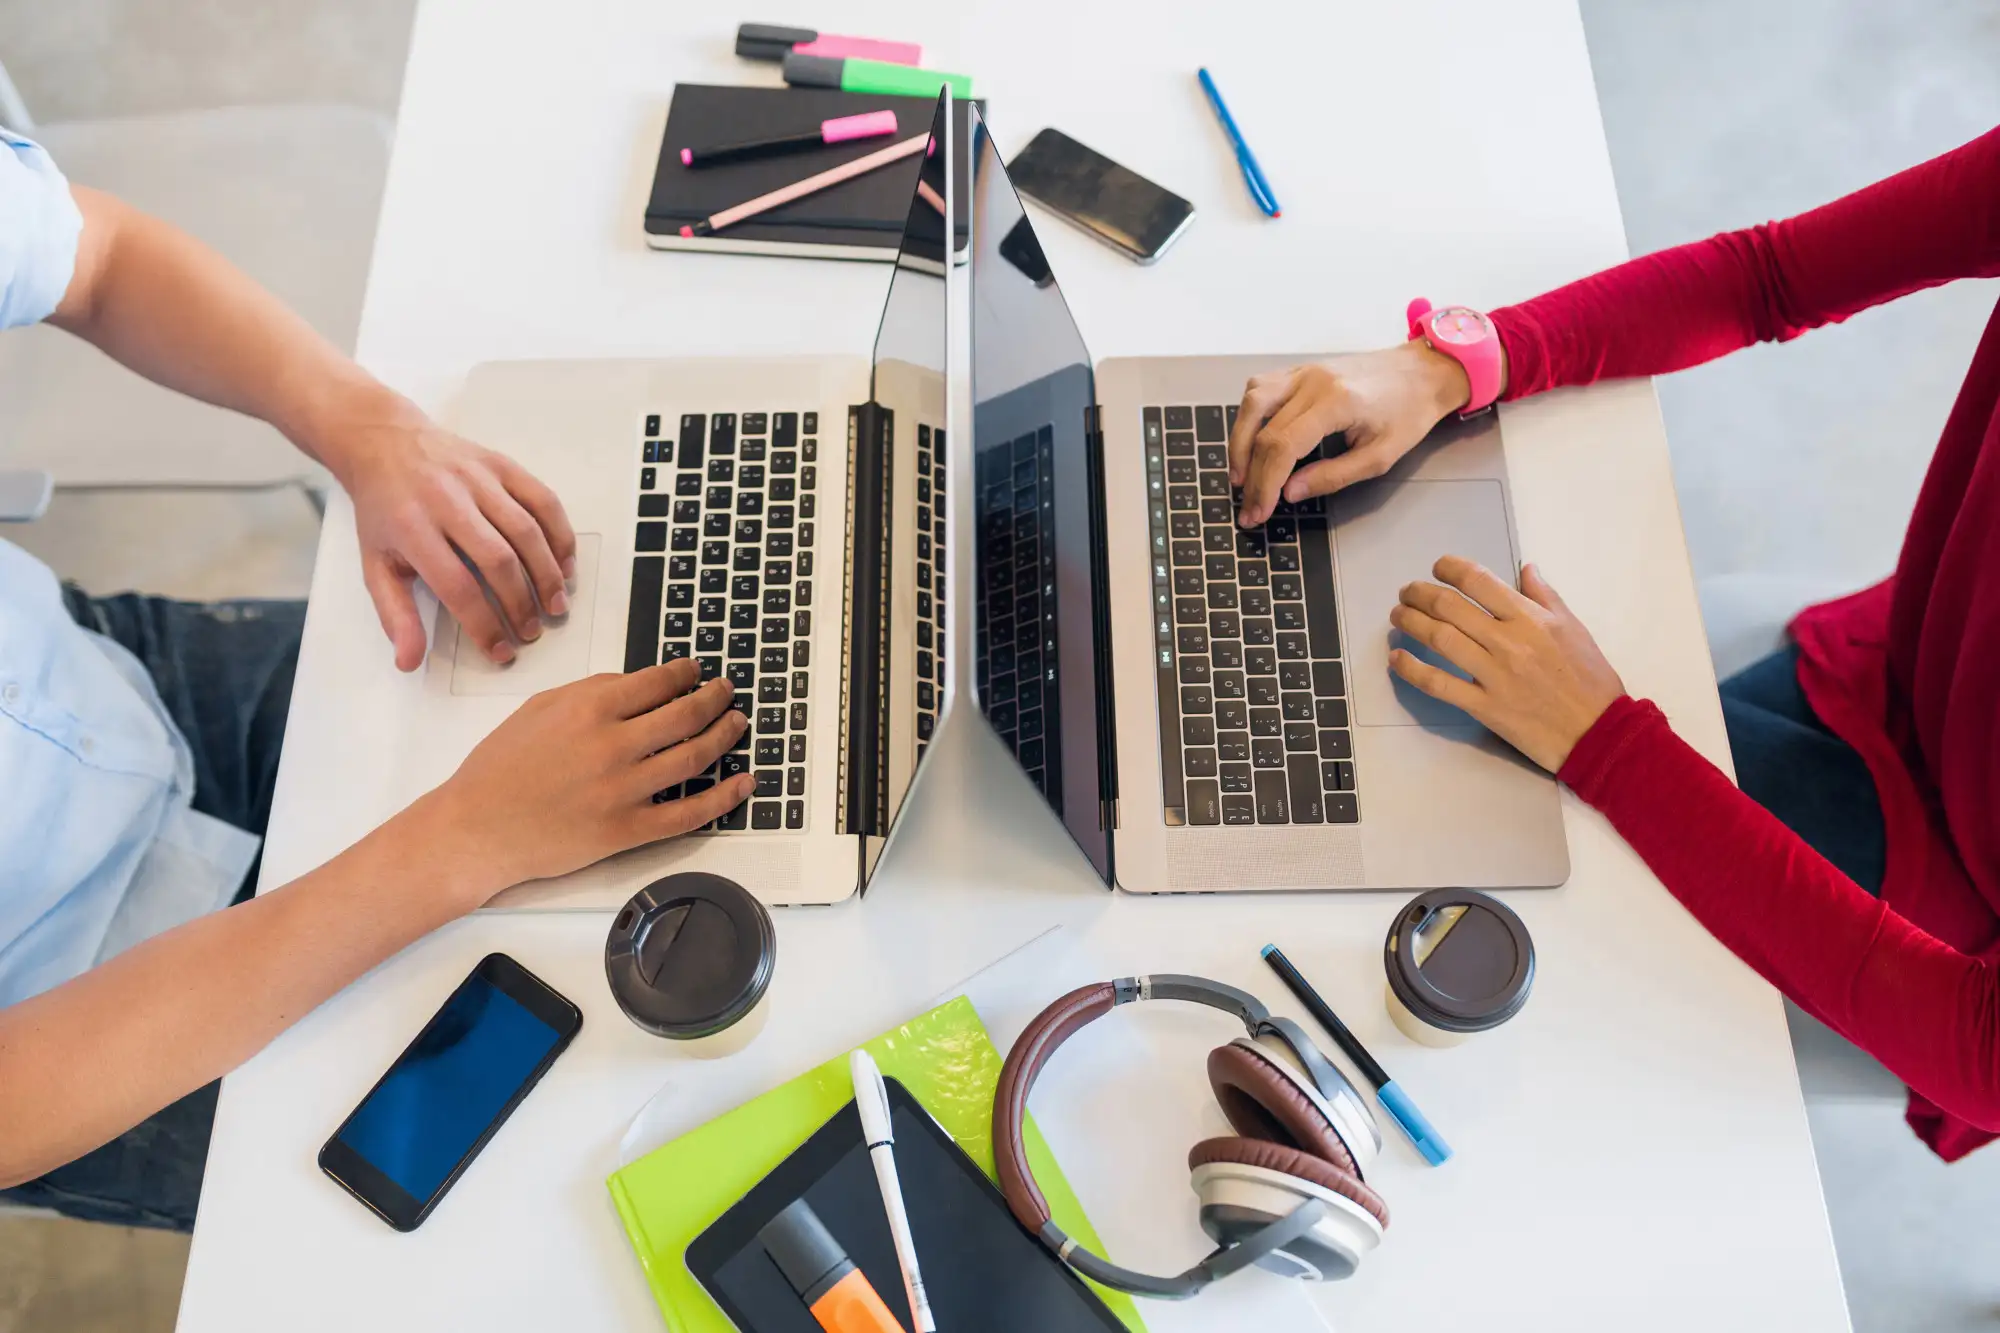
(1303,770)
(642,617)
(1272,807)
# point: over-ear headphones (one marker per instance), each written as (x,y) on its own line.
(1285,1193)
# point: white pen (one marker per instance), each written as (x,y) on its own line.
(872,1098)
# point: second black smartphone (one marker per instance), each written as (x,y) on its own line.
(1111,202)
(449,1092)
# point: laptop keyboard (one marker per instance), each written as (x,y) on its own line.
(931,509)
(1254,718)
(724,574)
(1016,669)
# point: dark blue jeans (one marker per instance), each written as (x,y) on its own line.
(1789,763)
(224,670)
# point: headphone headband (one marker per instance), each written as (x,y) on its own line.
(1050,1029)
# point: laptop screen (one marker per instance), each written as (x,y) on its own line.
(1037,664)
(909,393)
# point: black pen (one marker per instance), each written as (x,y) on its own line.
(1394,1100)
(841,129)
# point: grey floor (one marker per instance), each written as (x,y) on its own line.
(1801,460)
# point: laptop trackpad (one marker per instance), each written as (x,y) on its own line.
(561,655)
(1385,537)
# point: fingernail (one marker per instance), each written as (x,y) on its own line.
(559,604)
(569,571)
(531,631)
(503,652)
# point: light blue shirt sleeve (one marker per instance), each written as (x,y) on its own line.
(39,228)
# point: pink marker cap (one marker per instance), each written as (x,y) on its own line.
(862,48)
(687,157)
(867,125)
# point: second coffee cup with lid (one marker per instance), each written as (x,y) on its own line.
(690,958)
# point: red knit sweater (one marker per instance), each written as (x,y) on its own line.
(1907,672)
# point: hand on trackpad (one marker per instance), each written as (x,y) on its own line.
(561,655)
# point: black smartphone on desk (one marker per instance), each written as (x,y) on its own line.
(1113,203)
(449,1092)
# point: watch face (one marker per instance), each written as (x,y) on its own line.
(1460,326)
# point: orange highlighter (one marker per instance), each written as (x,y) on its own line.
(838,1293)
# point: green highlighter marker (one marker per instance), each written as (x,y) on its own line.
(871,76)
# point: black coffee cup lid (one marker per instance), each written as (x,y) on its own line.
(690,955)
(1459,960)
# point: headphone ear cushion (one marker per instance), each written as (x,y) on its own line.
(1261,1103)
(1291,1162)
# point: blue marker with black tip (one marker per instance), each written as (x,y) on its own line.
(1394,1100)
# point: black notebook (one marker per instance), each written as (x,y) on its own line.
(857,219)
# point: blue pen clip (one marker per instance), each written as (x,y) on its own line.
(1411,1121)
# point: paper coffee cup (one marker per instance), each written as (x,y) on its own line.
(1458,962)
(690,958)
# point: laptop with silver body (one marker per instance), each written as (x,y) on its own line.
(1209,710)
(758,515)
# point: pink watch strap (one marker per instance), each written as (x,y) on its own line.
(1467,337)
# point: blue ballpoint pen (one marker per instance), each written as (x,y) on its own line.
(1253,175)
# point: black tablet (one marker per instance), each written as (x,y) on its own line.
(982,1271)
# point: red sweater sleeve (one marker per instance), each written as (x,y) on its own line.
(1935,222)
(1927,1011)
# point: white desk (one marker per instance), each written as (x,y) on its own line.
(1632,1148)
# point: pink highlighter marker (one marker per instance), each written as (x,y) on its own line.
(773,41)
(841,129)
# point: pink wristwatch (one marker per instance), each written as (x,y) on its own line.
(1467,337)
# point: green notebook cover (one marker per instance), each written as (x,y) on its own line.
(675,1192)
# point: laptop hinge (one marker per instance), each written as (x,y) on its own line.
(1100,616)
(864,786)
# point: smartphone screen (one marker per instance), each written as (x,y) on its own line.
(1113,203)
(421,1125)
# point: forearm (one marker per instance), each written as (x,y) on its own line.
(83,1062)
(171,309)
(1662,312)
(1927,1011)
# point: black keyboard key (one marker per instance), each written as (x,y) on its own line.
(678,648)
(1263,692)
(680,596)
(1337,774)
(1227,654)
(1216,541)
(1179,418)
(653,537)
(1214,456)
(1199,762)
(742,646)
(721,469)
(1256,602)
(1208,424)
(1295,676)
(810,423)
(795,782)
(1302,771)
(1180,471)
(1238,809)
(775,630)
(687,484)
(1194,671)
(745,559)
(802,592)
(741,674)
(1214,485)
(714,582)
(785,428)
(1217,512)
(1236,778)
(679,625)
(767,815)
(1232,715)
(694,433)
(648,478)
(1342,809)
(770,752)
(657,506)
(1273,802)
(801,681)
(1250,544)
(653,423)
(735,821)
(1261,661)
(686,539)
(777,601)
(795,750)
(1197,699)
(770,782)
(1301,737)
(1183,497)
(1331,712)
(708,639)
(1204,801)
(711,667)
(802,624)
(1219,567)
(1298,707)
(1336,744)
(1267,752)
(770,721)
(798,717)
(1291,615)
(722,433)
(1185,553)
(743,615)
(1221,596)
(750,451)
(1285,559)
(771,690)
(1198,731)
(715,525)
(795,814)
(1193,639)
(1253,573)
(1190,611)
(753,423)
(1185,525)
(731,765)
(1329,681)
(642,616)
(1233,747)
(1224,625)
(802,653)
(1292,647)
(1227,684)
